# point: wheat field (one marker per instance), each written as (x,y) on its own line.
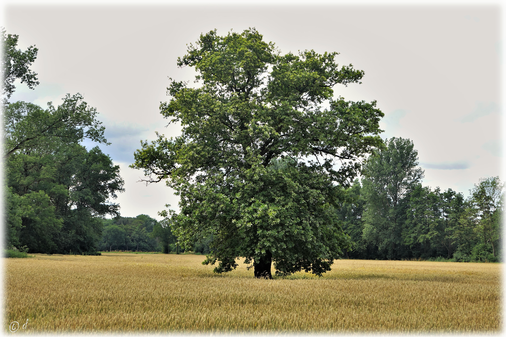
(121,292)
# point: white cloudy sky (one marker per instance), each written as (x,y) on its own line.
(434,70)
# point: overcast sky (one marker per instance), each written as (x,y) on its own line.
(434,71)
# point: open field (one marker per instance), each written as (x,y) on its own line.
(155,292)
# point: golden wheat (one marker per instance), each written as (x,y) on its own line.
(147,292)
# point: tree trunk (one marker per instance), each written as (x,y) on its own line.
(263,266)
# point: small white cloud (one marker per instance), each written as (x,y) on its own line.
(140,198)
(125,138)
(41,95)
(124,130)
(460,165)
(391,122)
(481,110)
(494,147)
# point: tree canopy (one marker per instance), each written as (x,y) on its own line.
(28,125)
(16,64)
(57,188)
(265,152)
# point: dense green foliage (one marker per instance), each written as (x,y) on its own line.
(123,233)
(389,177)
(16,64)
(56,189)
(393,217)
(264,154)
(164,235)
(15,253)
(145,234)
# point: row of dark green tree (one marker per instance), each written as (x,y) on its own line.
(390,215)
(123,233)
(56,190)
(144,234)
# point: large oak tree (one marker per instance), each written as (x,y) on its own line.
(265,152)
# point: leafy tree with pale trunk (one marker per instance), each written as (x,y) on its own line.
(390,175)
(264,155)
(485,211)
(422,230)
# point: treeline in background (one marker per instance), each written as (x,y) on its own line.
(390,215)
(428,224)
(144,234)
